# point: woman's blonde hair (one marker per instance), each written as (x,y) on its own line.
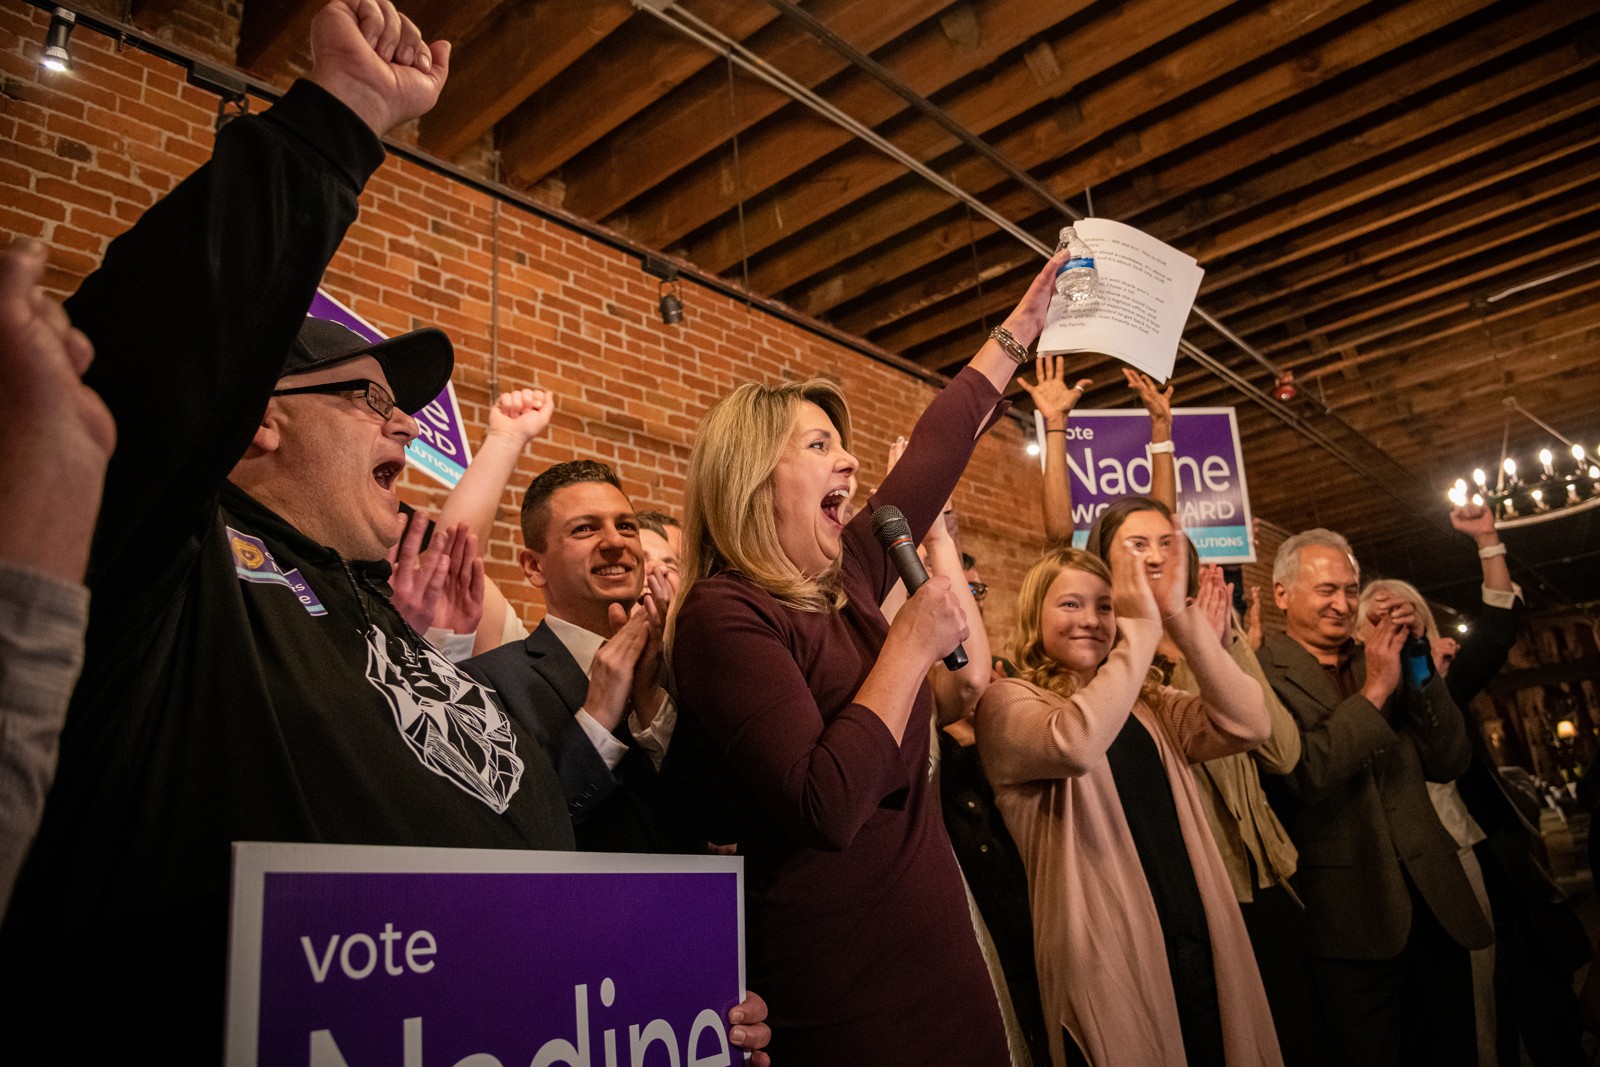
(1403,591)
(730,520)
(1033,663)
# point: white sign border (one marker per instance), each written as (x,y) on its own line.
(253,860)
(1238,450)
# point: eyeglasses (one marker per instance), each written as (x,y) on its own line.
(376,396)
(979,590)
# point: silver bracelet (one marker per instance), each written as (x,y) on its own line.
(1013,348)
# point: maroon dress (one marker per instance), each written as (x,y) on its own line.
(857,929)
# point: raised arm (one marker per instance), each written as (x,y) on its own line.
(194,308)
(1229,715)
(1163,475)
(516,418)
(1024,324)
(1483,653)
(944,437)
(1055,401)
(1026,734)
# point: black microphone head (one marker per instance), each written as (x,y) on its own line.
(889,525)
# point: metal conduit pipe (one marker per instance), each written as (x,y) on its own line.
(697,29)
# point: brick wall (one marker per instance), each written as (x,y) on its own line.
(83,155)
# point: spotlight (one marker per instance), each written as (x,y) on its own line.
(1462,627)
(671,301)
(56,55)
(1284,388)
(670,295)
(1033,448)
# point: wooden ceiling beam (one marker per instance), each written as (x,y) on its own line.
(272,31)
(1097,47)
(450,20)
(698,118)
(1435,349)
(979,266)
(1199,117)
(1488,43)
(777,150)
(640,64)
(1479,139)
(1481,336)
(1464,280)
(1501,87)
(1396,254)
(936,353)
(522,49)
(1432,321)
(1480,396)
(1174,178)
(1455,280)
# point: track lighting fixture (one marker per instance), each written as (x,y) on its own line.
(670,294)
(57,55)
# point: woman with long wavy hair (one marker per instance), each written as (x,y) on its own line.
(1143,958)
(804,717)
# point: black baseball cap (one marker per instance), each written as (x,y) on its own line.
(417,364)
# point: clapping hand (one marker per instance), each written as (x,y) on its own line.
(1131,595)
(1215,600)
(1252,623)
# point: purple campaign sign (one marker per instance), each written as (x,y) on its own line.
(1106,460)
(440,449)
(349,956)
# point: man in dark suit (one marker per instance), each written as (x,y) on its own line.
(1391,913)
(587,684)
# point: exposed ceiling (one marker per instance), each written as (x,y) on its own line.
(1356,178)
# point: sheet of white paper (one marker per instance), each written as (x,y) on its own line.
(1146,290)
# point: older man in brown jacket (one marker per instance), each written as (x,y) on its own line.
(1391,913)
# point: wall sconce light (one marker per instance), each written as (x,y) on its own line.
(670,294)
(671,301)
(57,55)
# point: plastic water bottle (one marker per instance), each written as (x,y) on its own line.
(1416,661)
(1077,280)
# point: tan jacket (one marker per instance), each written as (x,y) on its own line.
(1244,824)
(1102,962)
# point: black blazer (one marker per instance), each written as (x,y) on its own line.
(1357,808)
(542,687)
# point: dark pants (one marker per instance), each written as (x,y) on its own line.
(1410,1009)
(1282,946)
(1537,947)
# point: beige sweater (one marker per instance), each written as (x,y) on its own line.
(1102,962)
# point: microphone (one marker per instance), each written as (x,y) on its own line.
(893,532)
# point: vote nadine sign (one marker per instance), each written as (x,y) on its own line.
(361,956)
(1106,460)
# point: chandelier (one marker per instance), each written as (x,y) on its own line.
(1561,484)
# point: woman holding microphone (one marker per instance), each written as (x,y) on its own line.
(804,717)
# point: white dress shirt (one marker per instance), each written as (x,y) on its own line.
(583,644)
